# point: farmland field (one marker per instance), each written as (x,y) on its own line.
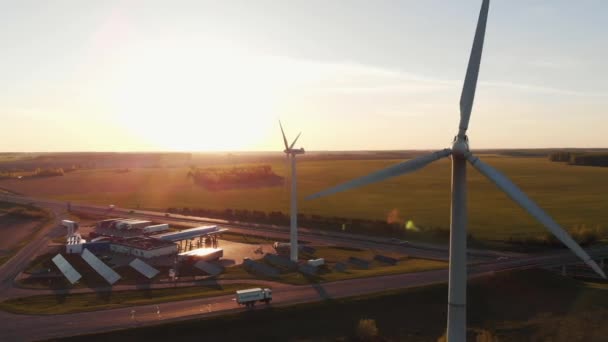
(574,195)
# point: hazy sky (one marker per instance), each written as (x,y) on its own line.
(217,75)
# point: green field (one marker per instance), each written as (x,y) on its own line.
(574,195)
(532,305)
(61,303)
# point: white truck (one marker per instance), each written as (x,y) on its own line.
(248,297)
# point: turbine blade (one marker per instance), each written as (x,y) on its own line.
(284,138)
(392,171)
(294,141)
(470,81)
(525,202)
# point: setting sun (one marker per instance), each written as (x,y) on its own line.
(211,98)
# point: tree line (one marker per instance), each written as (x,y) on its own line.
(38,172)
(334,223)
(243,176)
(580,158)
(581,234)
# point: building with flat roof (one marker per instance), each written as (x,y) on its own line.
(205,254)
(192,233)
(125,227)
(144,247)
(74,244)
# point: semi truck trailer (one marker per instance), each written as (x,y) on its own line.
(249,297)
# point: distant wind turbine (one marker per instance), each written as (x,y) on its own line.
(290,152)
(460,154)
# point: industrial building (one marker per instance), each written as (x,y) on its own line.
(121,227)
(122,224)
(144,247)
(131,224)
(133,237)
(74,244)
(71,226)
(201,254)
(192,233)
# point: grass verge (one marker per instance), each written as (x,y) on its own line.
(79,302)
(532,305)
(333,255)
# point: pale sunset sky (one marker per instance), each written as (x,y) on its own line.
(351,75)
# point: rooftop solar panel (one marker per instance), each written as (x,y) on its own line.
(106,272)
(143,268)
(64,266)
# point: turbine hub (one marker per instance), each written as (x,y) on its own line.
(460,146)
(294,151)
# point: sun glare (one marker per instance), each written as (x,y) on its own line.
(213,99)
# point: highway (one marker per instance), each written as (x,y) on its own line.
(26,327)
(34,327)
(417,249)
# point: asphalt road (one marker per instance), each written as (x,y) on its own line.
(28,327)
(22,327)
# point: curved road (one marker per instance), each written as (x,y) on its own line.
(15,327)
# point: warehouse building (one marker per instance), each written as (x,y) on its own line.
(74,244)
(143,247)
(126,228)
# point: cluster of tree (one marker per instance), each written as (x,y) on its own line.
(94,160)
(48,172)
(27,213)
(583,235)
(348,225)
(580,158)
(245,176)
(38,172)
(561,156)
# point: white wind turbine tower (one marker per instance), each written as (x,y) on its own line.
(290,152)
(460,154)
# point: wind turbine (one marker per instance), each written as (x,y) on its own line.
(291,152)
(460,154)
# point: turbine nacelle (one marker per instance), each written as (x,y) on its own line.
(460,146)
(294,151)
